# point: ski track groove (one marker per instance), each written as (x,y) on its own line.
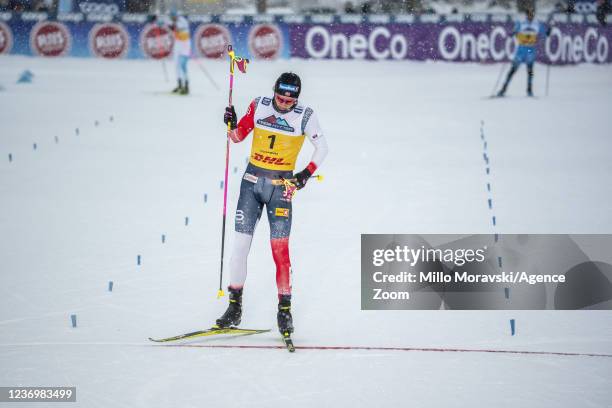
(323,348)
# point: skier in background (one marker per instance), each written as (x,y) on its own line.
(526,32)
(280,126)
(181,50)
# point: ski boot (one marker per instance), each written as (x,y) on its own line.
(233,314)
(501,93)
(178,88)
(529,91)
(285,320)
(185,89)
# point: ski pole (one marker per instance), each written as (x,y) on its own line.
(159,46)
(501,71)
(242,62)
(547,76)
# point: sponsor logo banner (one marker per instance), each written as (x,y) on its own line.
(156,41)
(397,38)
(212,40)
(108,7)
(50,39)
(265,41)
(109,40)
(458,42)
(6,39)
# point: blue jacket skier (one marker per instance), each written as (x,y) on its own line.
(527,33)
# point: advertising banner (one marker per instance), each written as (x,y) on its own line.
(112,7)
(458,42)
(484,40)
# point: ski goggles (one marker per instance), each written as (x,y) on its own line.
(284,99)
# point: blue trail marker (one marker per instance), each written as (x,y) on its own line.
(221,184)
(499,261)
(25,77)
(205,197)
(110,286)
(10,157)
(34,146)
(494,221)
(73,320)
(186,221)
(138,260)
(163,239)
(490,204)
(512,327)
(76,131)
(507,293)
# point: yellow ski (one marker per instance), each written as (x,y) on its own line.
(212,332)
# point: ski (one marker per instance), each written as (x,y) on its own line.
(288,342)
(510,97)
(211,332)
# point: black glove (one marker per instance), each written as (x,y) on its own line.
(230,117)
(151,18)
(301,178)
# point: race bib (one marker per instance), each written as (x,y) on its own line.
(275,151)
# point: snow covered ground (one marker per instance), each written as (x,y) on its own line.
(406,157)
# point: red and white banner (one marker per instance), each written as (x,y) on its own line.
(50,39)
(156,41)
(265,41)
(109,40)
(212,40)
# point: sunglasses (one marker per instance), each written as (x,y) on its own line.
(284,100)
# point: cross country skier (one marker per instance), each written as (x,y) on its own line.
(182,48)
(526,33)
(280,126)
(181,51)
